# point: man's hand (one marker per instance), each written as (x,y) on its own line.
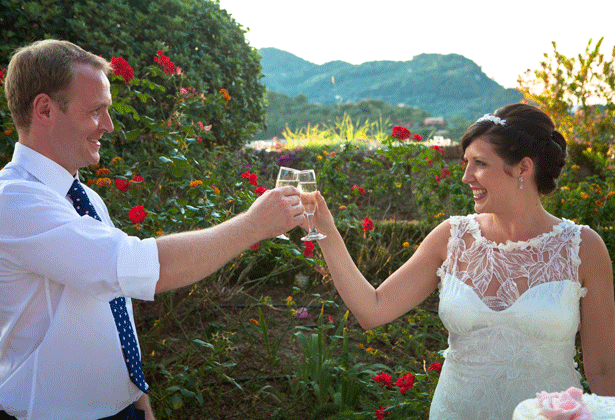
(277,211)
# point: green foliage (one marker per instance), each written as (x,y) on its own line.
(443,85)
(579,94)
(201,38)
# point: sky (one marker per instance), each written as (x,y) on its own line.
(505,38)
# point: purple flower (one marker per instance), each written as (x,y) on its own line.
(302,313)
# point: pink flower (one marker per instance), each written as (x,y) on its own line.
(381,413)
(405,383)
(302,313)
(137,214)
(563,405)
(368,224)
(309,249)
(384,380)
(331,320)
(437,366)
(401,133)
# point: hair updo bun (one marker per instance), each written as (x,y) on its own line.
(519,131)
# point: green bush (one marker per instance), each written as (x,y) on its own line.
(200,37)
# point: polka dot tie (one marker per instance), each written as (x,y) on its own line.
(84,207)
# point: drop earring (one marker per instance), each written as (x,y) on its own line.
(521,182)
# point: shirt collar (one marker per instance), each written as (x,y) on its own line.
(44,169)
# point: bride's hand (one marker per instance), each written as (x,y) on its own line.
(323,217)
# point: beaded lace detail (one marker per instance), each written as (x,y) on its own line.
(501,273)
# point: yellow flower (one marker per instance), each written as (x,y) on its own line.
(289,299)
(342,207)
(195,183)
(405,244)
(319,157)
(575,167)
(324,152)
(116,159)
(610,193)
(439,215)
(103,182)
(565,188)
(584,195)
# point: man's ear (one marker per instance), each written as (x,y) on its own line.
(42,107)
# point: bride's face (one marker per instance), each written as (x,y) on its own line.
(489,177)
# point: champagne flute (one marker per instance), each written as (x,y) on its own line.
(308,188)
(286,176)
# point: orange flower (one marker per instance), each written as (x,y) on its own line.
(195,183)
(224,93)
(103,182)
(255,322)
(102,171)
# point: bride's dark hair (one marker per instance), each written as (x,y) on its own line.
(526,132)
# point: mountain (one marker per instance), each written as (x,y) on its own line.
(444,85)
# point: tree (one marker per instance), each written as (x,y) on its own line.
(199,36)
(578,93)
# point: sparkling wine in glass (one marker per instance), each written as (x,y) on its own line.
(308,188)
(286,176)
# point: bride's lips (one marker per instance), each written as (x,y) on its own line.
(479,193)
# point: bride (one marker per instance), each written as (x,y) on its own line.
(515,282)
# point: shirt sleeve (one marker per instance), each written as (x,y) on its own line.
(42,234)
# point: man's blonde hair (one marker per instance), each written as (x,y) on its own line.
(44,67)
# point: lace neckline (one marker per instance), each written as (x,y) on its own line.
(474,228)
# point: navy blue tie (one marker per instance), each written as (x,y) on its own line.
(84,207)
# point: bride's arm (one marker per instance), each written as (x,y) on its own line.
(597,314)
(412,283)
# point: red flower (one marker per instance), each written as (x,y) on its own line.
(122,68)
(260,190)
(417,137)
(437,366)
(255,246)
(380,413)
(437,178)
(246,175)
(384,380)
(368,224)
(122,185)
(137,178)
(166,63)
(438,149)
(405,383)
(2,71)
(137,214)
(446,173)
(309,249)
(355,187)
(401,133)
(254,180)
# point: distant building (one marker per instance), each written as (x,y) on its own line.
(434,121)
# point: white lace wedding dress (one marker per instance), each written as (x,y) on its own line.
(512,312)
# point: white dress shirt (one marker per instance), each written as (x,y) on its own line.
(60,354)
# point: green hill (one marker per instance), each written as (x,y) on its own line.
(443,85)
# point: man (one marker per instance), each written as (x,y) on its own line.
(66,331)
